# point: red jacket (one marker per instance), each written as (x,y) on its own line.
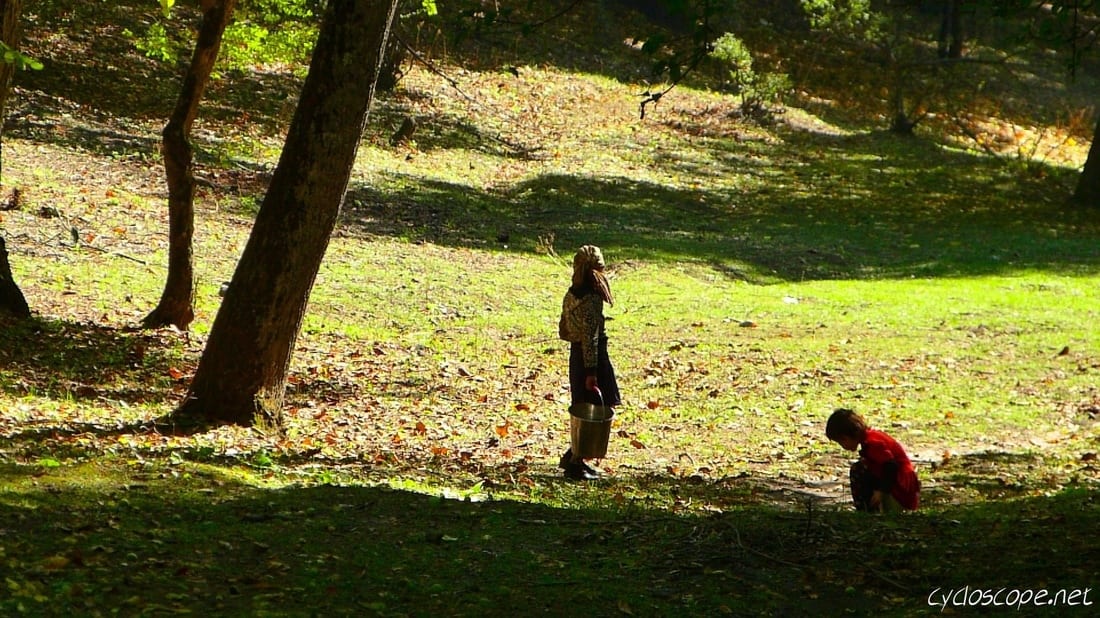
(879,452)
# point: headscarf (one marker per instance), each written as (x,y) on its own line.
(588,268)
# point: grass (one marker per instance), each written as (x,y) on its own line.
(762,277)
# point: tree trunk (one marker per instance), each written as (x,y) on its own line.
(951,31)
(177,302)
(12,301)
(241,377)
(10,11)
(901,124)
(1088,184)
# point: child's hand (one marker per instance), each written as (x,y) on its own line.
(590,383)
(875,502)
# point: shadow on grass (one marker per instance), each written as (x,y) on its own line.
(817,207)
(153,538)
(70,361)
(862,207)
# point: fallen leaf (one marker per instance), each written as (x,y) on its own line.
(55,563)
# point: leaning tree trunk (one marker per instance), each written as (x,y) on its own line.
(9,34)
(177,301)
(12,300)
(1088,184)
(241,377)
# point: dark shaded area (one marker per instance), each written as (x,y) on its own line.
(63,360)
(176,538)
(993,475)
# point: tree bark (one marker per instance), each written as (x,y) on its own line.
(241,377)
(10,32)
(951,31)
(12,301)
(1088,183)
(177,301)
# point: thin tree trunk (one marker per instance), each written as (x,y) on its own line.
(951,31)
(1088,183)
(241,377)
(177,302)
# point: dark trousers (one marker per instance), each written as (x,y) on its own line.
(863,485)
(605,377)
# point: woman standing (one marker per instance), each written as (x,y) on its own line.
(591,376)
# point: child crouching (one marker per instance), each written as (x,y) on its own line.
(883,478)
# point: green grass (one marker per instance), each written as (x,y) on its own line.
(762,278)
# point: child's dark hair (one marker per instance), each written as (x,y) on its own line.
(845,423)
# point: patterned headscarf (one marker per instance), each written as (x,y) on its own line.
(588,268)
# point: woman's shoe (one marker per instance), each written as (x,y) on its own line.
(579,472)
(566,459)
(590,470)
(566,463)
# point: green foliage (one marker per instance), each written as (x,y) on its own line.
(270,33)
(837,14)
(166,7)
(850,17)
(19,59)
(276,12)
(156,43)
(758,91)
(732,50)
(263,32)
(248,44)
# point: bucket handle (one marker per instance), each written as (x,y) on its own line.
(599,394)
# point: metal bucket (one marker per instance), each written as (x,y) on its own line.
(589,429)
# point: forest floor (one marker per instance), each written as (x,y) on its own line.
(764,275)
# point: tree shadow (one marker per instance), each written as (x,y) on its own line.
(867,206)
(182,537)
(67,361)
(989,475)
(861,206)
